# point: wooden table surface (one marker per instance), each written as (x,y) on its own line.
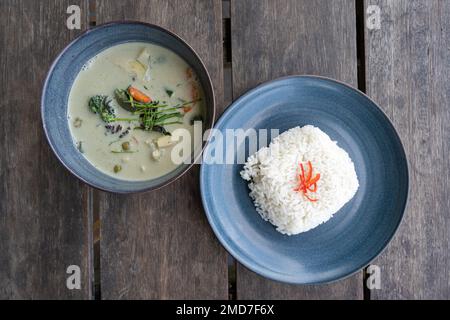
(159,244)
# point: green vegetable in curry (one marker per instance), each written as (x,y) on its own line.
(102,106)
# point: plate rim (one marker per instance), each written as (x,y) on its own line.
(265,272)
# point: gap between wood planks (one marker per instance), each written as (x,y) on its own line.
(361,69)
(228,97)
(93,198)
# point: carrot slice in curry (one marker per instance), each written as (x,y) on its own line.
(138,95)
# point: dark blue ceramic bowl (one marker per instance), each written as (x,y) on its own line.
(359,231)
(62,75)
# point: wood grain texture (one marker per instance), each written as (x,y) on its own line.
(159,244)
(44,218)
(278,38)
(407,69)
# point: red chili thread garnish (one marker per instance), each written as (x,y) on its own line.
(307,183)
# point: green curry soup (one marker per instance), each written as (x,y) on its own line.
(125,104)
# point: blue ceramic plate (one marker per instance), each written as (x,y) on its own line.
(359,231)
(62,75)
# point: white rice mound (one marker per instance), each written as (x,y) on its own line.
(273,171)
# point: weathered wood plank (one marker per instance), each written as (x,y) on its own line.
(407,70)
(44,218)
(277,38)
(159,244)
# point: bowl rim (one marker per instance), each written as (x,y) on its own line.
(281,277)
(82,35)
